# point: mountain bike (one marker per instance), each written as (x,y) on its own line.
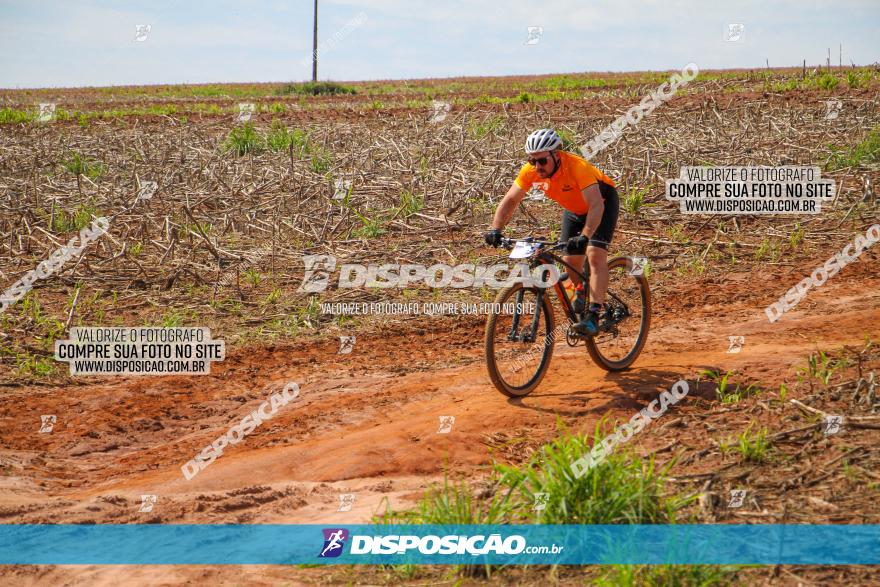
(524,324)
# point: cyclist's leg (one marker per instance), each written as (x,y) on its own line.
(598,259)
(597,250)
(572,225)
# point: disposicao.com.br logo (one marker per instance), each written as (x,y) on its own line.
(334,542)
(320,268)
(393,544)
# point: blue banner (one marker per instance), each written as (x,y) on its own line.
(430,544)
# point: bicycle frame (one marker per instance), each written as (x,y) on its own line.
(547,257)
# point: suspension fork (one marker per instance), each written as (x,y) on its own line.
(513,335)
(536,317)
(530,333)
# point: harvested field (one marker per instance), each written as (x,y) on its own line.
(238,204)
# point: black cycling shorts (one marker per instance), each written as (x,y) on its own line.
(573,224)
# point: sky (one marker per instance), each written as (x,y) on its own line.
(51,43)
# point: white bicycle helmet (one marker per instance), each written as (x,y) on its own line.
(543,139)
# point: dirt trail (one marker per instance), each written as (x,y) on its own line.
(367,423)
(358,427)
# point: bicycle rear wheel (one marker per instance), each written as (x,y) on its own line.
(627,318)
(519,340)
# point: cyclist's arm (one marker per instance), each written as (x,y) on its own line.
(593,198)
(508,206)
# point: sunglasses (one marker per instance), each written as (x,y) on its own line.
(536,162)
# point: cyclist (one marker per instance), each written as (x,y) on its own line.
(591,205)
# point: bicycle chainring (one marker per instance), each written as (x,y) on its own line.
(572,338)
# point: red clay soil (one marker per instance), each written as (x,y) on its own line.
(367,422)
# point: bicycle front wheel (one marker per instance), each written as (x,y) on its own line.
(519,339)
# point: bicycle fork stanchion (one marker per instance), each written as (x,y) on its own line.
(529,333)
(536,318)
(513,335)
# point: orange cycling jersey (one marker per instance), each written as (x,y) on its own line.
(573,175)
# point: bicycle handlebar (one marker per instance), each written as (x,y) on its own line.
(508,243)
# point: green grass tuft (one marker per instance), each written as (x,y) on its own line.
(484,127)
(723,389)
(280,138)
(827,82)
(634,201)
(315,89)
(62,221)
(865,152)
(566,83)
(622,489)
(753,447)
(569,141)
(245,139)
(410,203)
(79,165)
(12,116)
(370,227)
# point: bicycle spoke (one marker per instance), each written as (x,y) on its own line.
(517,345)
(625,320)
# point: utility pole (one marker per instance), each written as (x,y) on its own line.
(315,45)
